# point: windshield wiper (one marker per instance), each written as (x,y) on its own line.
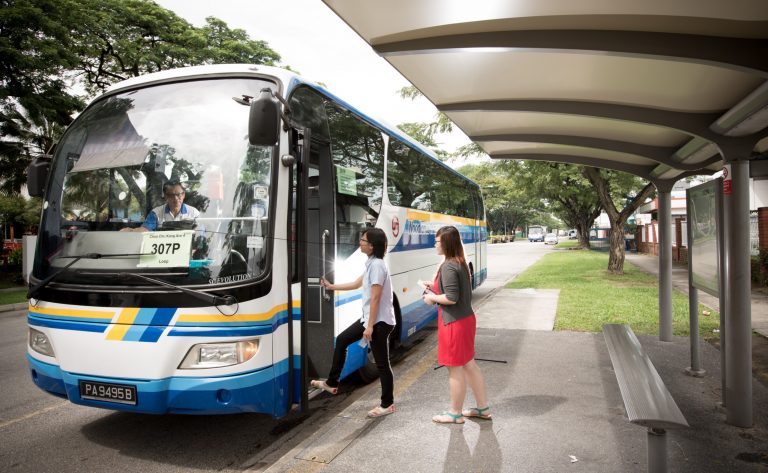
(200,295)
(34,290)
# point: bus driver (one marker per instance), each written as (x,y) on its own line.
(174,209)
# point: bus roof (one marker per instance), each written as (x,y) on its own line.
(289,80)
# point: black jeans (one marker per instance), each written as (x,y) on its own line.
(380,350)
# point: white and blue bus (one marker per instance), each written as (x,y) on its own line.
(536,233)
(225,313)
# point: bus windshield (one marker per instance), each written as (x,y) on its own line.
(161,181)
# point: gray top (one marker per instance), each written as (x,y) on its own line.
(455,284)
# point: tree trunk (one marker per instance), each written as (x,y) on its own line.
(617,219)
(582,233)
(616,251)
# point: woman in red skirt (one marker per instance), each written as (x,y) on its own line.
(452,291)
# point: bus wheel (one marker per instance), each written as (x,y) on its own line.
(369,373)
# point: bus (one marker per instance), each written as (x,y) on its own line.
(224,313)
(536,233)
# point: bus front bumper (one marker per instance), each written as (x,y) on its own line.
(244,392)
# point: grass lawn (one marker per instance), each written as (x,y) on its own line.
(13,297)
(590,297)
(567,244)
(11,279)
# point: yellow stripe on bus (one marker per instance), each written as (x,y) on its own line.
(187,318)
(436,217)
(123,324)
(88,314)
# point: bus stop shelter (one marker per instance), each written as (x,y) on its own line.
(659,89)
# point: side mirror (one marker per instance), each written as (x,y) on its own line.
(37,174)
(264,120)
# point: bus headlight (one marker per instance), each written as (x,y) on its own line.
(216,355)
(39,342)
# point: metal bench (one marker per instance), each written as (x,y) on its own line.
(646,398)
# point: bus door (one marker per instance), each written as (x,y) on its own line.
(478,252)
(318,307)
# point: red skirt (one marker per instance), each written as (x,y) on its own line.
(455,341)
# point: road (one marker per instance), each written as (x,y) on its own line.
(42,433)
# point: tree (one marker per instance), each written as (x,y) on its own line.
(424,133)
(35,55)
(507,203)
(16,210)
(572,197)
(47,46)
(126,38)
(614,189)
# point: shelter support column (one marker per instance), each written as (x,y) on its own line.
(665,262)
(738,301)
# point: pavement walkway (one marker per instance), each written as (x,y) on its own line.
(556,407)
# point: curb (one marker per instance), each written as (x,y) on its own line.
(14,307)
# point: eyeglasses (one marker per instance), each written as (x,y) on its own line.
(364,240)
(174,194)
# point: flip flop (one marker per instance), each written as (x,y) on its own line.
(379,411)
(320,384)
(477,412)
(448,417)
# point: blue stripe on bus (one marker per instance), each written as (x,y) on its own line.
(203,329)
(66,325)
(415,316)
(414,238)
(47,377)
(162,316)
(70,318)
(151,334)
(220,332)
(134,333)
(143,316)
(348,297)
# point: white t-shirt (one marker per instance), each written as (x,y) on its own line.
(376,272)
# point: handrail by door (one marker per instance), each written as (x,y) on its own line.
(324,292)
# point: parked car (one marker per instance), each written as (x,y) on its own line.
(572,235)
(550,238)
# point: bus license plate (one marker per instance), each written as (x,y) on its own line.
(120,393)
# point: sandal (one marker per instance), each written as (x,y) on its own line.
(379,411)
(448,417)
(477,412)
(320,384)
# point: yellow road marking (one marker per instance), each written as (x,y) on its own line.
(32,414)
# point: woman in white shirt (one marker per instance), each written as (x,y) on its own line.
(375,325)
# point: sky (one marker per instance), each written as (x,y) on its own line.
(315,42)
